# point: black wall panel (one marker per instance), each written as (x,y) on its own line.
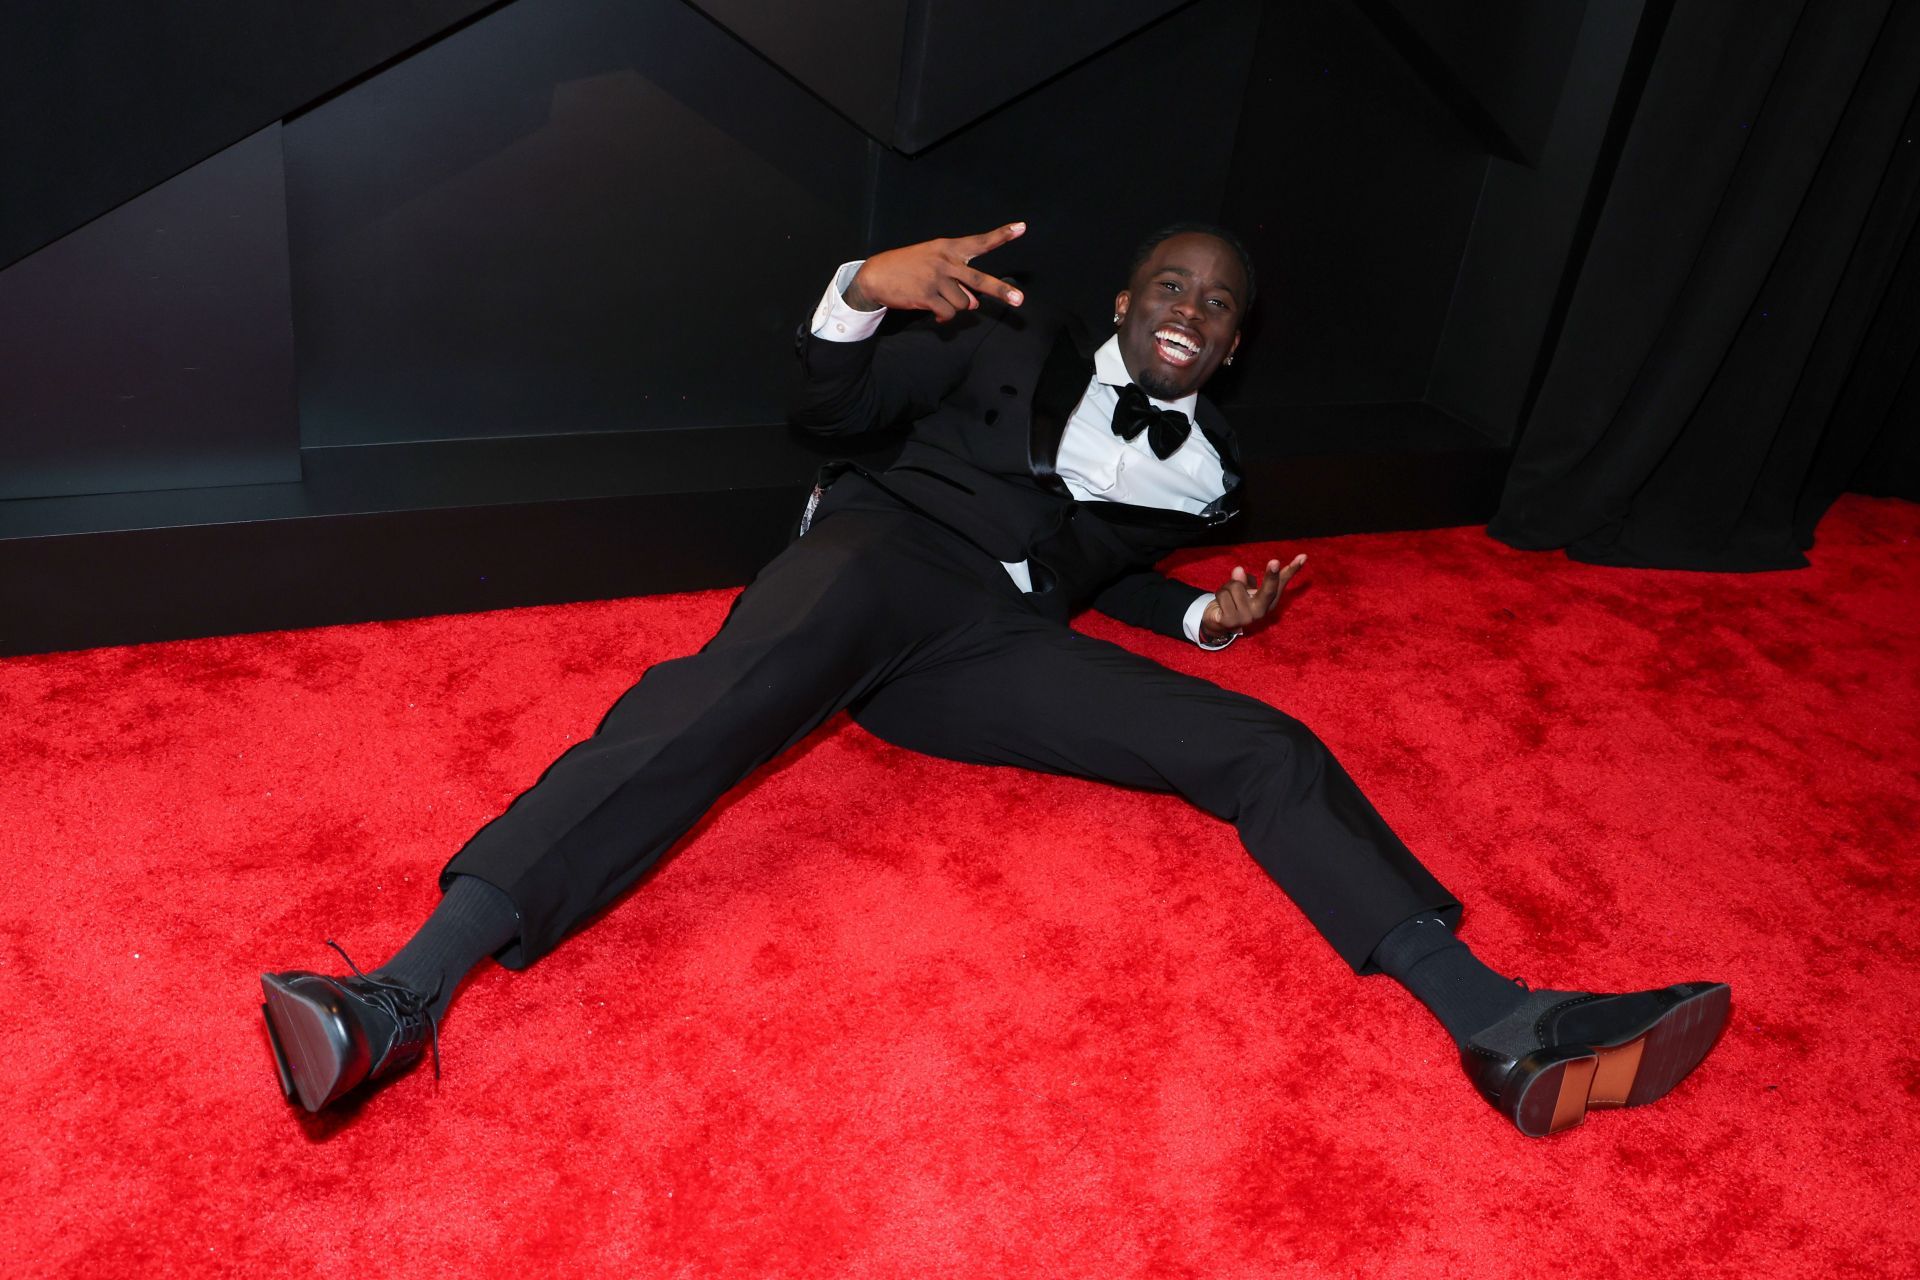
(153,348)
(911,72)
(1092,160)
(101,99)
(1355,187)
(560,249)
(966,57)
(847,51)
(1498,64)
(568,216)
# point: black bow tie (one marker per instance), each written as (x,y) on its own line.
(1166,428)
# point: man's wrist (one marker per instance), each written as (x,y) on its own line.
(1208,641)
(856,297)
(835,319)
(1195,625)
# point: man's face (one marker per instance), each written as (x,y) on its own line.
(1180,314)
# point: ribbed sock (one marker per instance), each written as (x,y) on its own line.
(473,921)
(1423,956)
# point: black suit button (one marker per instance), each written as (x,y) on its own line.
(1009,391)
(993,416)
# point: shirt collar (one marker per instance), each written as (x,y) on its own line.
(1111,369)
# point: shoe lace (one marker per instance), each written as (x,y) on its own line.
(401,1003)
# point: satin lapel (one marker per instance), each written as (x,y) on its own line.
(1218,434)
(1221,437)
(1063,380)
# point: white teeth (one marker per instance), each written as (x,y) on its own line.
(1177,348)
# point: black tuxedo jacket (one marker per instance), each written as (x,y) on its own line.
(988,395)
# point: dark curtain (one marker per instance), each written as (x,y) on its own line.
(1739,346)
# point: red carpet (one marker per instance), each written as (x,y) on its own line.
(887,1016)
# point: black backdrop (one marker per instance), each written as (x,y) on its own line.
(289,289)
(561,216)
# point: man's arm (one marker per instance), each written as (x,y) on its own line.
(857,383)
(1151,600)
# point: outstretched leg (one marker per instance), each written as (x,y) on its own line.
(1031,694)
(865,595)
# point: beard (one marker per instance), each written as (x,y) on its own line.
(1159,388)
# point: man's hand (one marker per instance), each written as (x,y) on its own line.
(1239,605)
(934,276)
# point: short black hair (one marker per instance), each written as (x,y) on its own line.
(1172,229)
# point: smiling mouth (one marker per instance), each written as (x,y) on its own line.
(1176,348)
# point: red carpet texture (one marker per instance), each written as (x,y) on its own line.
(886,1016)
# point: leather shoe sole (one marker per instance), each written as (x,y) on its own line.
(1552,1088)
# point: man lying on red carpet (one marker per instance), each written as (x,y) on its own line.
(1040,475)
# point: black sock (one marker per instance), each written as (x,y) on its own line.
(1423,956)
(473,921)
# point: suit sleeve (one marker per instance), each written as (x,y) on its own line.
(1149,599)
(900,374)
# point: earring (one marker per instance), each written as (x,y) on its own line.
(1116,319)
(1228,360)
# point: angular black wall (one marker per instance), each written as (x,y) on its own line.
(569,216)
(152,349)
(101,99)
(545,259)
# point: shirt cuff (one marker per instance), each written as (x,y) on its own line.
(834,320)
(1191,624)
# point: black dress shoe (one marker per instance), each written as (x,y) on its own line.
(1563,1053)
(330,1035)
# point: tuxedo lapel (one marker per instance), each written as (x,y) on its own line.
(1224,443)
(1214,428)
(1063,380)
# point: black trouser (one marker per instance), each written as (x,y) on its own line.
(929,642)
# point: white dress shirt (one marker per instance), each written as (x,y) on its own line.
(1095,464)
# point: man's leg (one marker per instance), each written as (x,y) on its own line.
(835,614)
(1065,703)
(1062,702)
